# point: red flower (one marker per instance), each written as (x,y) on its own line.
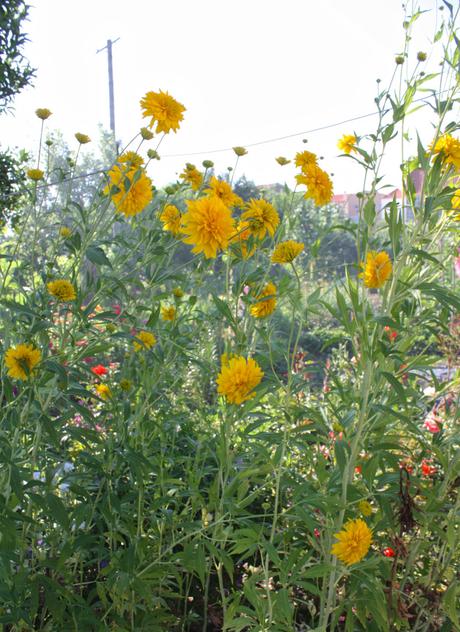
(317,533)
(392,335)
(99,370)
(431,424)
(389,552)
(427,469)
(117,309)
(358,469)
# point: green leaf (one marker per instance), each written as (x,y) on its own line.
(96,255)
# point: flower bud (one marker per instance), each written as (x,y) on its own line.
(240,151)
(146,133)
(208,164)
(421,56)
(43,113)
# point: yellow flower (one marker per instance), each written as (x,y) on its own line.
(353,543)
(265,307)
(170,218)
(238,378)
(318,183)
(43,113)
(131,159)
(103,391)
(178,292)
(21,361)
(222,190)
(164,110)
(65,232)
(281,160)
(168,313)
(305,159)
(240,151)
(147,340)
(449,147)
(82,138)
(208,225)
(456,205)
(286,251)
(240,236)
(146,133)
(35,174)
(192,176)
(365,508)
(347,143)
(377,269)
(129,186)
(262,217)
(62,289)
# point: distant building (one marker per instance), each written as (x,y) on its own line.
(350,201)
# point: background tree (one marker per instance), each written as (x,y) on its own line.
(15,71)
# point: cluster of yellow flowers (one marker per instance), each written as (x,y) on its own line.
(449,148)
(317,181)
(129,186)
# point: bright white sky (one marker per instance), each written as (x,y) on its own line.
(246,70)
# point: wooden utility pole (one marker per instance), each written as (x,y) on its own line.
(111,93)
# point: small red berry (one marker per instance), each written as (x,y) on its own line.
(389,552)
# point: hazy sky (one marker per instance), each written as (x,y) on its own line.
(246,70)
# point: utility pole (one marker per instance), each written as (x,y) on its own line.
(111,93)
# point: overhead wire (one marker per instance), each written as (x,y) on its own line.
(223,149)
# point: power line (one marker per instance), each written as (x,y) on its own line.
(274,140)
(224,149)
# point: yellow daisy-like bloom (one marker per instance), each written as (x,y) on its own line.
(353,543)
(131,159)
(83,139)
(43,113)
(318,183)
(262,217)
(164,110)
(304,159)
(222,190)
(456,205)
(208,225)
(287,251)
(168,313)
(365,508)
(65,232)
(240,236)
(21,361)
(347,143)
(133,199)
(192,176)
(265,307)
(146,340)
(281,160)
(377,269)
(449,147)
(35,174)
(238,378)
(103,391)
(170,218)
(62,290)
(240,151)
